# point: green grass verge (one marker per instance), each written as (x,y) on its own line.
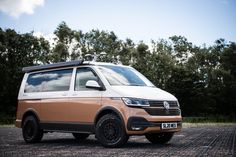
(210,119)
(7,125)
(7,120)
(187,125)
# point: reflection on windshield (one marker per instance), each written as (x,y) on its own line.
(118,75)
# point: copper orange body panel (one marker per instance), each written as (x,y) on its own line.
(127,112)
(24,106)
(84,110)
(54,110)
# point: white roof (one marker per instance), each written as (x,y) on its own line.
(65,64)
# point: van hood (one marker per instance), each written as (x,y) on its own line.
(143,92)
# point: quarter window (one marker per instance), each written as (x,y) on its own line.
(82,76)
(57,80)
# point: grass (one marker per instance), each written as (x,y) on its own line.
(210,119)
(7,125)
(187,125)
(6,120)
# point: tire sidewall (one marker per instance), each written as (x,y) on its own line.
(122,138)
(37,133)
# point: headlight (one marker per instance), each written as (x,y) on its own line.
(136,102)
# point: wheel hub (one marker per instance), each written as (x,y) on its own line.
(110,131)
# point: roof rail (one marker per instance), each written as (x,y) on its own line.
(51,66)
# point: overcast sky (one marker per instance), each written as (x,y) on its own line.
(200,21)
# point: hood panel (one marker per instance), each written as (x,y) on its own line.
(143,92)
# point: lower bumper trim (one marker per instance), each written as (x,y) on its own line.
(140,124)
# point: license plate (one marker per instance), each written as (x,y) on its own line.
(169,125)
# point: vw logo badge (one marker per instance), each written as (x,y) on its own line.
(166,105)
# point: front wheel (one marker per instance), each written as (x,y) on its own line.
(31,130)
(159,138)
(110,131)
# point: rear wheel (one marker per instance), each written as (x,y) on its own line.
(110,131)
(80,136)
(31,130)
(159,138)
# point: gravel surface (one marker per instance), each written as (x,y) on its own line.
(193,140)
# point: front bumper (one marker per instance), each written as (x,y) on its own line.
(139,125)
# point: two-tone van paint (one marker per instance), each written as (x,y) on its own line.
(108,100)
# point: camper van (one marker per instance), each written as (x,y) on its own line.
(83,98)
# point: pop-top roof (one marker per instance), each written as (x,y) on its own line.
(51,66)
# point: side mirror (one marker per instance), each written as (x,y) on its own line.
(93,84)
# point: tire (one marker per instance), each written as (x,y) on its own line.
(80,136)
(159,138)
(31,131)
(110,131)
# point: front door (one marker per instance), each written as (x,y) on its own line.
(84,102)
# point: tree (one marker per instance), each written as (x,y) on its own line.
(64,37)
(203,78)
(181,47)
(127,52)
(141,57)
(228,64)
(17,51)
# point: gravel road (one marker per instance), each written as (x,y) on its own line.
(193,140)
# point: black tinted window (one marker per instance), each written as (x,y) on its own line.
(82,76)
(58,80)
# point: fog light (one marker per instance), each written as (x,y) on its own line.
(136,128)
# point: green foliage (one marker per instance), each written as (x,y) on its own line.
(64,34)
(17,51)
(210,119)
(202,78)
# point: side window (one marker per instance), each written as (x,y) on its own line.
(57,80)
(82,76)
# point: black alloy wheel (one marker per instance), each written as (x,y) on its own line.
(31,130)
(110,131)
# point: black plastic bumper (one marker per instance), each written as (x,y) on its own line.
(140,124)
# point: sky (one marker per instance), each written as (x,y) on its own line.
(200,21)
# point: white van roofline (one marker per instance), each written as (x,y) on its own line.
(52,66)
(65,64)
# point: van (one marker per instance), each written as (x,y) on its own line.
(83,98)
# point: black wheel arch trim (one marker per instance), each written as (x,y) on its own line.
(30,111)
(108,108)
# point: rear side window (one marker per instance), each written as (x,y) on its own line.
(57,80)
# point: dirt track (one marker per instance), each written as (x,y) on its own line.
(202,140)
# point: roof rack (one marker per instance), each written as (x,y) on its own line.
(51,66)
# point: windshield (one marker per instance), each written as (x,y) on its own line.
(125,76)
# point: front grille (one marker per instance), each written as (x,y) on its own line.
(154,103)
(162,112)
